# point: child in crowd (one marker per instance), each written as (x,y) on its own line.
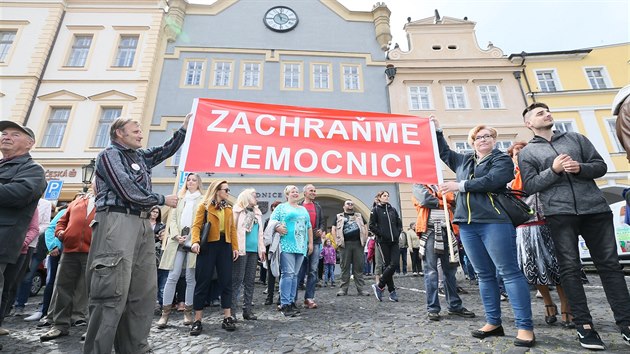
(330,258)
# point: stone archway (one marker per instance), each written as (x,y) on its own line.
(331,201)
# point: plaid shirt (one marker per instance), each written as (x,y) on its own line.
(123,175)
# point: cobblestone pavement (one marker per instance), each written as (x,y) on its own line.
(346,324)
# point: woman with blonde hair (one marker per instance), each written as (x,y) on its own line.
(293,223)
(249,231)
(177,255)
(486,230)
(219,251)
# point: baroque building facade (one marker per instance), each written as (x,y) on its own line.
(445,73)
(323,56)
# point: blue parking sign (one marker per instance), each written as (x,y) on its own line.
(53,190)
(182,179)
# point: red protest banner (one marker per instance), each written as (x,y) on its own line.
(255,138)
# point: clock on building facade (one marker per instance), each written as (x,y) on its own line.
(280,19)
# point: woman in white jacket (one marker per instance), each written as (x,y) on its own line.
(177,255)
(249,230)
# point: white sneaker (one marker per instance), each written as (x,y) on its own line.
(34,317)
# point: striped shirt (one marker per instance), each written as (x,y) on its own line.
(123,175)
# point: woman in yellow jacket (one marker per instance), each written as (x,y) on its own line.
(219,252)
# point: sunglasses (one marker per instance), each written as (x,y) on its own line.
(349,203)
(227,190)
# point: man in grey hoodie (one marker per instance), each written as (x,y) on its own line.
(562,168)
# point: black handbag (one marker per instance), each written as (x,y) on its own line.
(205,230)
(518,211)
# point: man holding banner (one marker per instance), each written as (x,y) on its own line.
(121,273)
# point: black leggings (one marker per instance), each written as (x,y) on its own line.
(213,254)
(391,254)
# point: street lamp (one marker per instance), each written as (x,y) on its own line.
(390,72)
(88,174)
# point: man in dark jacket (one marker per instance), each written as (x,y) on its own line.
(562,168)
(22,182)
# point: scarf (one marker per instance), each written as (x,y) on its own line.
(220,205)
(249,219)
(186,218)
(440,243)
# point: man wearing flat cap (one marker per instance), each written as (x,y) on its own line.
(22,182)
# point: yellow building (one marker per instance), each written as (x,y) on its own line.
(579,87)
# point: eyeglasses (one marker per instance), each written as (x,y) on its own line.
(484,137)
(227,190)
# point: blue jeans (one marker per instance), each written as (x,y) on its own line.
(488,245)
(51,275)
(162,276)
(367,265)
(431,276)
(309,270)
(24,291)
(403,261)
(329,273)
(290,263)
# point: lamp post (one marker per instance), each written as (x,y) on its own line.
(88,174)
(390,72)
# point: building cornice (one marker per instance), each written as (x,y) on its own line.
(273,55)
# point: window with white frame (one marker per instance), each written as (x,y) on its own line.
(56,127)
(503,145)
(455,97)
(6,41)
(419,98)
(321,76)
(463,147)
(176,157)
(564,126)
(126,51)
(612,129)
(194,73)
(251,75)
(222,73)
(547,80)
(292,75)
(596,78)
(80,50)
(351,78)
(489,96)
(108,114)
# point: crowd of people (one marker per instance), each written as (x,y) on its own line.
(126,252)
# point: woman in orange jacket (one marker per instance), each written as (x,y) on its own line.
(218,252)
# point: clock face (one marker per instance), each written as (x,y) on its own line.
(280,19)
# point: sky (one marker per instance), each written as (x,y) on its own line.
(515,25)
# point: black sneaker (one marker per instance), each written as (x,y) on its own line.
(295,309)
(589,338)
(463,312)
(228,324)
(287,311)
(625,334)
(196,328)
